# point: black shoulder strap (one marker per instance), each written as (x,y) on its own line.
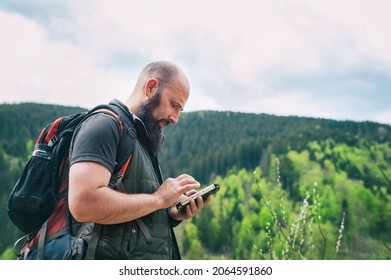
(127,129)
(125,150)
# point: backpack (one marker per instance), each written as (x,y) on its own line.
(38,205)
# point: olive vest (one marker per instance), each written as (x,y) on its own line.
(128,240)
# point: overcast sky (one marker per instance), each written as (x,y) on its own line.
(328,59)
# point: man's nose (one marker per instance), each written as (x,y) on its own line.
(174,118)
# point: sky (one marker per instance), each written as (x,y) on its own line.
(325,59)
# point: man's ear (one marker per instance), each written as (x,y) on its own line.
(151,87)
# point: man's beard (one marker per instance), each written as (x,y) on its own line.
(156,137)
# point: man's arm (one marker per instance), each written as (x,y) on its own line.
(91,200)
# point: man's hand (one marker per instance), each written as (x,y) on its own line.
(192,209)
(173,189)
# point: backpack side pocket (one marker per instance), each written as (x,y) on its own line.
(32,197)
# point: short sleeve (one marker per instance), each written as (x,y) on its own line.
(96,140)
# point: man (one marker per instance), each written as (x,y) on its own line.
(159,96)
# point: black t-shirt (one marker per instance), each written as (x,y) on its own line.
(97,140)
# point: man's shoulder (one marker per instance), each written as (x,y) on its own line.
(100,121)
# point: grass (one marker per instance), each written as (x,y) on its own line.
(295,239)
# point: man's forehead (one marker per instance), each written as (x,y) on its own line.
(179,93)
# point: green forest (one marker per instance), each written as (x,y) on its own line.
(291,187)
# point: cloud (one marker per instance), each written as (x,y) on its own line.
(323,58)
(35,68)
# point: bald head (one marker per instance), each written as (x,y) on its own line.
(160,75)
(164,71)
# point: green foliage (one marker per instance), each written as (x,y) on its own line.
(8,254)
(339,220)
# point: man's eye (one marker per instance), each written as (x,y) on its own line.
(174,105)
(177,106)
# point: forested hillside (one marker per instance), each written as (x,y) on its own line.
(22,122)
(291,187)
(317,185)
(209,143)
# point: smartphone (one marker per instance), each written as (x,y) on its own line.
(204,193)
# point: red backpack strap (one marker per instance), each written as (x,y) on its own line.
(118,177)
(48,132)
(123,169)
(53,130)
